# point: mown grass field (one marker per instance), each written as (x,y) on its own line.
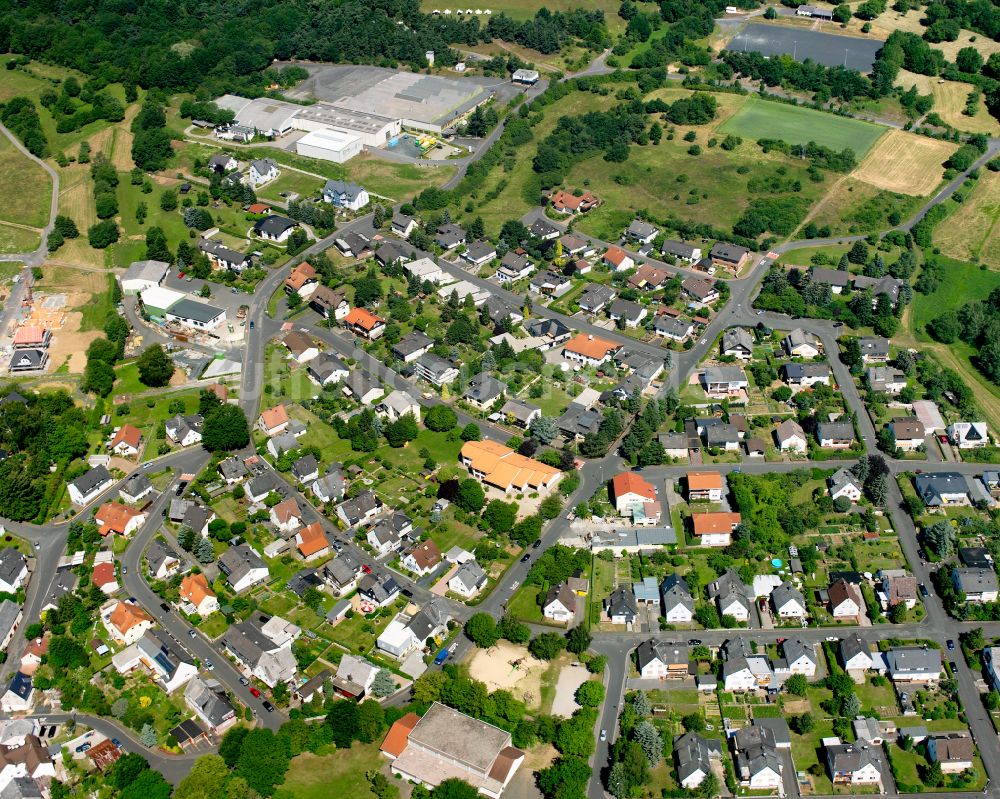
(972,233)
(17,239)
(905,163)
(396,181)
(25,187)
(759,119)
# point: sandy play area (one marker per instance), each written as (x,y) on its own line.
(570,679)
(495,667)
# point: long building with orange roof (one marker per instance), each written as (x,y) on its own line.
(503,468)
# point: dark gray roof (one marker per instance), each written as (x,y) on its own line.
(410,343)
(274,225)
(677,248)
(92,480)
(622,603)
(12,563)
(305,465)
(484,388)
(197,311)
(237,561)
(626,309)
(665,652)
(136,484)
(835,430)
(694,754)
(728,252)
(159,553)
(934,485)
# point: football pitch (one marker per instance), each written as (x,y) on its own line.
(761,119)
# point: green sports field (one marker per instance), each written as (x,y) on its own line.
(761,119)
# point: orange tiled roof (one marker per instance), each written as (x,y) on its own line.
(312,539)
(615,255)
(127,434)
(300,275)
(275,417)
(503,467)
(194,588)
(398,737)
(719,522)
(287,510)
(104,574)
(29,334)
(366,320)
(631,483)
(591,346)
(125,616)
(113,518)
(219,390)
(426,554)
(704,481)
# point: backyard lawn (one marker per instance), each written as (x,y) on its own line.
(337,773)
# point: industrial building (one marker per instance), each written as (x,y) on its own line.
(329,145)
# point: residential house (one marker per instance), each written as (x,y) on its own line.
(483,391)
(10,617)
(105,577)
(551,331)
(846,601)
(354,677)
(737,342)
(896,587)
(342,573)
(681,251)
(954,751)
(209,701)
(342,194)
(195,589)
(550,284)
(13,570)
(913,664)
(576,245)
(942,489)
(520,413)
(422,558)
(730,256)
(693,757)
(806,375)
(618,259)
(722,436)
(621,607)
(634,496)
(380,588)
(885,379)
(641,232)
(359,510)
(243,567)
(543,230)
(222,257)
(800,343)
(856,655)
(658,660)
(704,486)
(758,763)
(311,541)
(435,370)
(257,654)
(701,291)
(629,313)
(874,349)
(649,278)
(788,602)
(18,698)
(364,323)
(125,622)
(908,432)
(262,170)
(330,303)
(163,562)
(327,368)
(732,596)
(968,435)
(403,225)
(359,387)
(469,580)
(89,486)
(126,441)
(595,297)
(724,380)
(791,437)
(306,469)
(135,487)
(396,405)
(560,603)
(843,483)
(302,280)
(513,267)
(425,270)
(286,516)
(449,236)
(233,470)
(273,420)
(714,529)
(677,330)
(978,585)
(412,346)
(275,228)
(330,487)
(853,764)
(479,253)
(835,435)
(676,600)
(799,657)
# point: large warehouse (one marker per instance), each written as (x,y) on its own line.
(329,145)
(373,130)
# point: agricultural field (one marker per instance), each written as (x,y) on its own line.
(905,163)
(890,21)
(759,119)
(25,187)
(973,232)
(17,239)
(949,102)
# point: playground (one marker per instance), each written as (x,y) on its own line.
(511,668)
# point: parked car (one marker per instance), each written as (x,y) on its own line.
(255,692)
(526,558)
(268,706)
(604,735)
(244,681)
(951,645)
(923,590)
